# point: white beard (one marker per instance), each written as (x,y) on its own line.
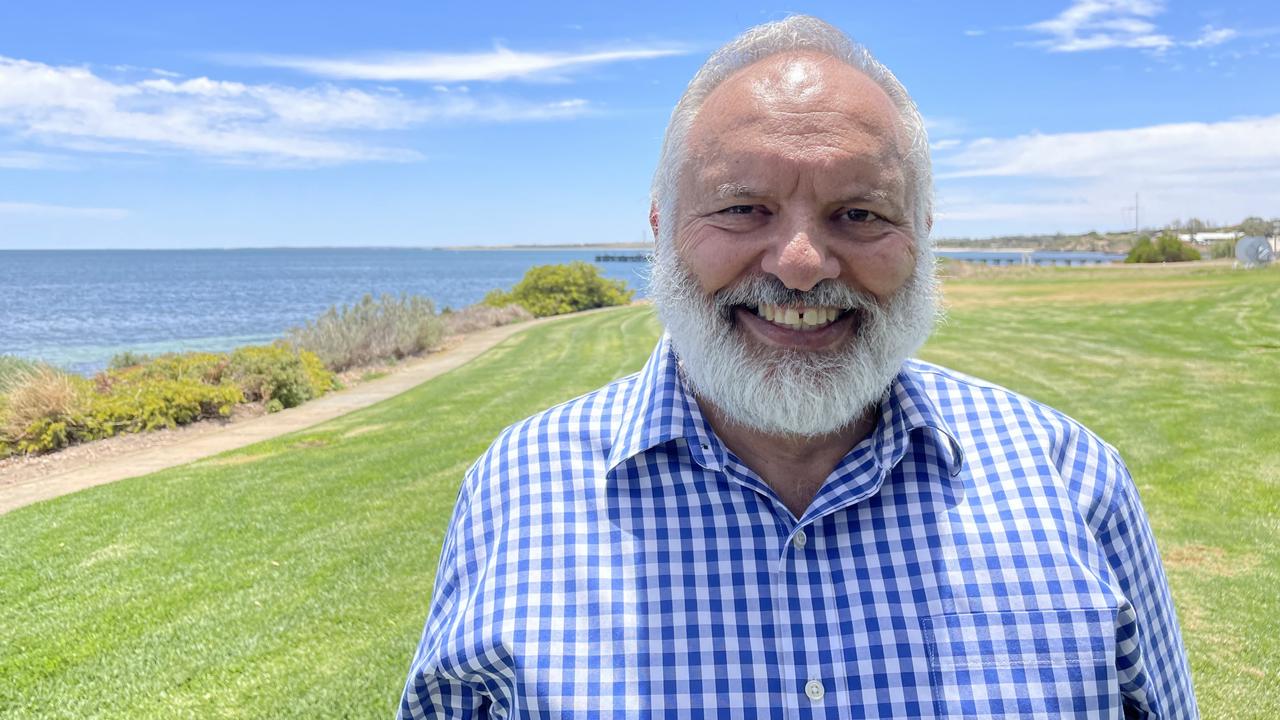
(791,392)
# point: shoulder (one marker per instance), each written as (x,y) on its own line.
(576,433)
(1003,432)
(973,405)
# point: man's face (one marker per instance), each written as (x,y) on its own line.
(796,262)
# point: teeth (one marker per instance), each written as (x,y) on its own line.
(798,318)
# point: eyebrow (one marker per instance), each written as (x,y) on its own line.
(734,190)
(873,196)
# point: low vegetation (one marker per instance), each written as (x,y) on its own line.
(481,316)
(371,330)
(1222,249)
(290,579)
(48,409)
(557,289)
(1166,249)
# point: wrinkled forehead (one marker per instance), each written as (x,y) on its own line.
(802,107)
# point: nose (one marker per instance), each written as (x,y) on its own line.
(801,258)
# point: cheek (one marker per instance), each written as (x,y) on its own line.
(716,261)
(882,267)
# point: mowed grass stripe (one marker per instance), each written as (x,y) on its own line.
(290,578)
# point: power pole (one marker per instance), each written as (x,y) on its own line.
(1136,217)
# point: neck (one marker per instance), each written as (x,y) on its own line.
(795,466)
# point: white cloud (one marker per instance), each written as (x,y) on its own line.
(71,107)
(1077,181)
(43,210)
(1211,36)
(1235,145)
(496,65)
(1103,24)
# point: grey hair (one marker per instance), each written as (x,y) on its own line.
(796,33)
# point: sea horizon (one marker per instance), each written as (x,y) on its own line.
(77,308)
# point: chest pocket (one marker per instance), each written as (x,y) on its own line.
(1056,663)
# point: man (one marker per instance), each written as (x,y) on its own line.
(781,515)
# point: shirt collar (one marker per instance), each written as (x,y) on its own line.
(906,408)
(658,408)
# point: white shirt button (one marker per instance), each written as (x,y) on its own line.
(814,690)
(800,540)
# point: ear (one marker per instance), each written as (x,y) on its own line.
(653,219)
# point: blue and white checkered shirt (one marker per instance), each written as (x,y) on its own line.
(977,555)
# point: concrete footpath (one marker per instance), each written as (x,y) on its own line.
(240,434)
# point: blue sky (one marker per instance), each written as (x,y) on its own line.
(231,124)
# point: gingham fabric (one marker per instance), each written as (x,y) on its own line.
(978,555)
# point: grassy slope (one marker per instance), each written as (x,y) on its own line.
(286,580)
(1180,370)
(289,579)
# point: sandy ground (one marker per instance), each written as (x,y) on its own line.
(26,480)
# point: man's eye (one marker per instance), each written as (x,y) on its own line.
(861,216)
(739,210)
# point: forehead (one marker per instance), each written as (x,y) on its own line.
(799,114)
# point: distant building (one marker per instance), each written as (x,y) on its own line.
(1204,238)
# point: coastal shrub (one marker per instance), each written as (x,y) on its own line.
(13,370)
(128,359)
(158,404)
(557,289)
(42,395)
(279,373)
(481,316)
(1222,249)
(371,330)
(202,367)
(45,409)
(1166,248)
(131,406)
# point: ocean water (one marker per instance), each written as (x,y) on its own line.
(77,308)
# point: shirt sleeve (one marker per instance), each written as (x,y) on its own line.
(436,688)
(1155,679)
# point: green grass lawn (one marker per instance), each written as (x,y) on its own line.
(291,578)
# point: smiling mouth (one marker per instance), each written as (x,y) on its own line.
(799,317)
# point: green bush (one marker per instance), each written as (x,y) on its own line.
(371,330)
(202,367)
(1222,249)
(49,409)
(557,289)
(278,372)
(1166,248)
(128,359)
(40,397)
(129,404)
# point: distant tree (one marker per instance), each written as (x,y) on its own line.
(555,289)
(1255,226)
(1166,248)
(1222,249)
(1195,225)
